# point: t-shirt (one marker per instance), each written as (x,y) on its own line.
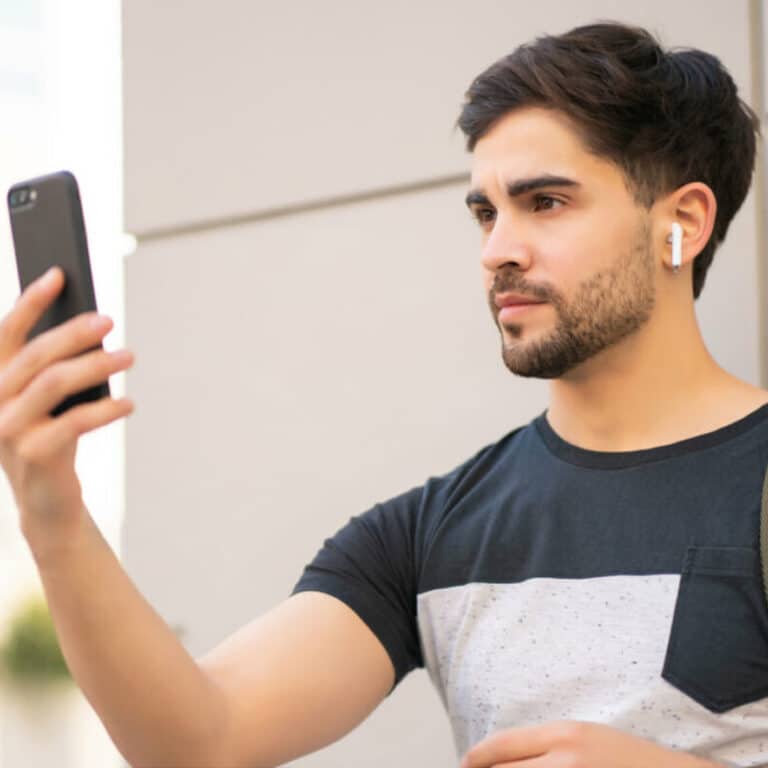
(541,581)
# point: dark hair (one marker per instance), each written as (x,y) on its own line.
(665,118)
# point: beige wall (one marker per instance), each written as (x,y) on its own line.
(310,333)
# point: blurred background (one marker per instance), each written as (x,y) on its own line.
(273,195)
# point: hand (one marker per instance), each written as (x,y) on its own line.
(37,452)
(574,744)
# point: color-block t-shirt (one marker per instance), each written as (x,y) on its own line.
(540,581)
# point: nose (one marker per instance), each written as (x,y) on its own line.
(506,245)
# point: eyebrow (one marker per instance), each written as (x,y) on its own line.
(521,187)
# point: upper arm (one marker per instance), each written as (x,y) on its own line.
(296,679)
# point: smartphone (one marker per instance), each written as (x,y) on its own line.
(49,230)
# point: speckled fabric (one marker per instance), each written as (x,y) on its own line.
(541,581)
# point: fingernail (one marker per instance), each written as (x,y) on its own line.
(49,277)
(100,321)
(122,356)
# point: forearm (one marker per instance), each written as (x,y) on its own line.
(154,700)
(578,742)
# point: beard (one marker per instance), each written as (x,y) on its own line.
(606,308)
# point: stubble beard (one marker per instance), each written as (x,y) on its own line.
(607,307)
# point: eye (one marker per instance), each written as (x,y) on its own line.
(546,203)
(483,215)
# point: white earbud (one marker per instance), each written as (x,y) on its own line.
(677,246)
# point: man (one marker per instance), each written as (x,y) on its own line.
(585,591)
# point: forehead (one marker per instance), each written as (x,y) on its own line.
(531,142)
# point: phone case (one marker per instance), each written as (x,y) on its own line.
(48,229)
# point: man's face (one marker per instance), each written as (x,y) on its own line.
(559,226)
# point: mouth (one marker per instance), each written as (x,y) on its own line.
(514,299)
(513,305)
(512,311)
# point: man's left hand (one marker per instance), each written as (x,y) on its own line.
(577,745)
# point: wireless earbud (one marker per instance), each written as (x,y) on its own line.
(677,246)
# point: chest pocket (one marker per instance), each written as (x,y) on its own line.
(718,645)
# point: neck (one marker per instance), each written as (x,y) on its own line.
(656,387)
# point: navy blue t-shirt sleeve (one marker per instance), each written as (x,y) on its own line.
(371,565)
(374,562)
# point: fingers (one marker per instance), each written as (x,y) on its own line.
(54,384)
(521,744)
(27,310)
(66,340)
(44,442)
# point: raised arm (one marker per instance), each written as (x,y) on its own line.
(294,680)
(297,679)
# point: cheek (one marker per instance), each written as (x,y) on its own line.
(566,261)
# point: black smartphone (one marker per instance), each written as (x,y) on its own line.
(49,230)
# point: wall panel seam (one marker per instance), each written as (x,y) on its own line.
(758,66)
(207,225)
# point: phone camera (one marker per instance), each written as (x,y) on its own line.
(21,196)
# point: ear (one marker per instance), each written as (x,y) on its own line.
(694,207)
